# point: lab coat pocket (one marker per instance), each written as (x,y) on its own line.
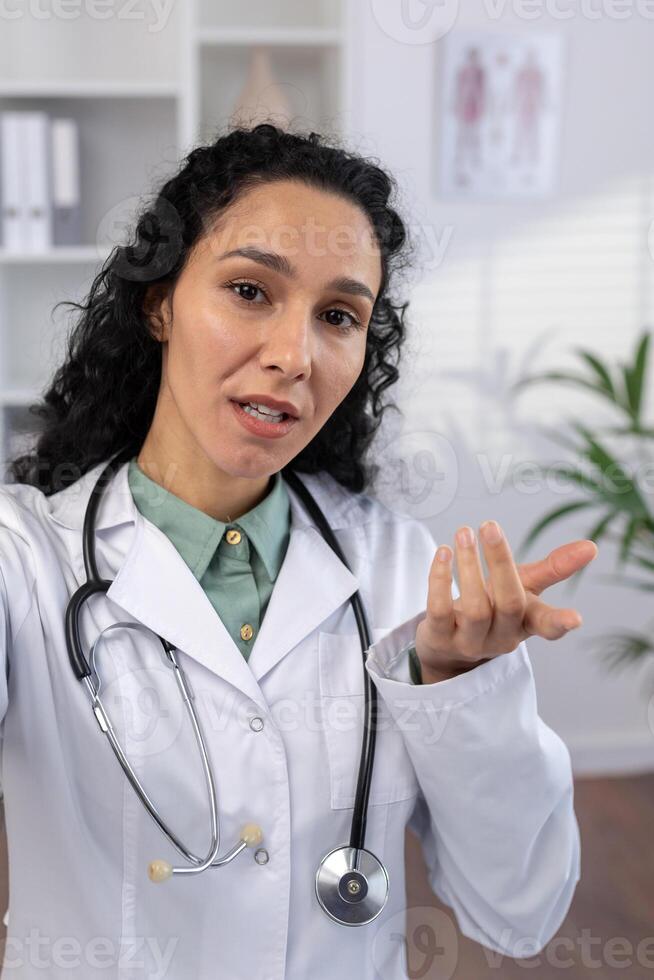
(341,672)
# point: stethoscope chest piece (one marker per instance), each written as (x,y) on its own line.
(351,885)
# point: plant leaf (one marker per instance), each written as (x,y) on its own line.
(601,372)
(545,521)
(629,497)
(625,544)
(624,648)
(634,376)
(596,533)
(641,560)
(581,478)
(577,380)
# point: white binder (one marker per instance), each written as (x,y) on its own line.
(66,216)
(13,191)
(37,166)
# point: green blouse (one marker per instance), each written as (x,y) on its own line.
(236,563)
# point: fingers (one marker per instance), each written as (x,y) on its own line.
(475,612)
(509,597)
(560,564)
(549,622)
(492,617)
(440,609)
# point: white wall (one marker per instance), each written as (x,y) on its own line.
(572,270)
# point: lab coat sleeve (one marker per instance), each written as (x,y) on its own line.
(495,813)
(5,645)
(17,580)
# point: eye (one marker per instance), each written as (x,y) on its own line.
(247,284)
(355,323)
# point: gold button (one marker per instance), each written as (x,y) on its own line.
(233,536)
(246,632)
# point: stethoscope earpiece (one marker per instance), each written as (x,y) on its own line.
(351,885)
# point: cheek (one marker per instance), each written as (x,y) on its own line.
(347,362)
(340,368)
(200,348)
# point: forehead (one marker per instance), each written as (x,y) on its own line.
(314,226)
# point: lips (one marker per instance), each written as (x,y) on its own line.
(273,403)
(262,427)
(261,407)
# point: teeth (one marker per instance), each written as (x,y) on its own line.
(266,416)
(264,410)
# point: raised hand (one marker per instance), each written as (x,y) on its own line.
(491,617)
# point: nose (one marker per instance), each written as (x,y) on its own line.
(288,343)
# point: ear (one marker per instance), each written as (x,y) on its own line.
(156,309)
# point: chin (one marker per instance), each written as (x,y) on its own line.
(246,465)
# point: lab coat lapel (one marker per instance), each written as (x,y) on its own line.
(155,585)
(311,584)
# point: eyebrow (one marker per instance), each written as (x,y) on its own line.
(279,263)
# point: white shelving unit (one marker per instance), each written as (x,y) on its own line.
(144,93)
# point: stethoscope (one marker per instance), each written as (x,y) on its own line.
(351,882)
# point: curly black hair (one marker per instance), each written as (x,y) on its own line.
(101,400)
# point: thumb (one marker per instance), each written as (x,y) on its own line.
(560,564)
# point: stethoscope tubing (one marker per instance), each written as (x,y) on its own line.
(83,671)
(367,757)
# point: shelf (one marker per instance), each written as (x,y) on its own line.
(18,397)
(88,90)
(62,253)
(306,37)
(257,15)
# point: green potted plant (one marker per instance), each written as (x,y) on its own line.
(606,480)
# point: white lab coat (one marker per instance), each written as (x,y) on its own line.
(468,761)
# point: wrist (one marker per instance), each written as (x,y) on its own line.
(433,674)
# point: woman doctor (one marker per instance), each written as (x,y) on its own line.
(258,280)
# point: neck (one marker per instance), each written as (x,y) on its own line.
(199,482)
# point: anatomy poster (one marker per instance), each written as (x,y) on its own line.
(501,114)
